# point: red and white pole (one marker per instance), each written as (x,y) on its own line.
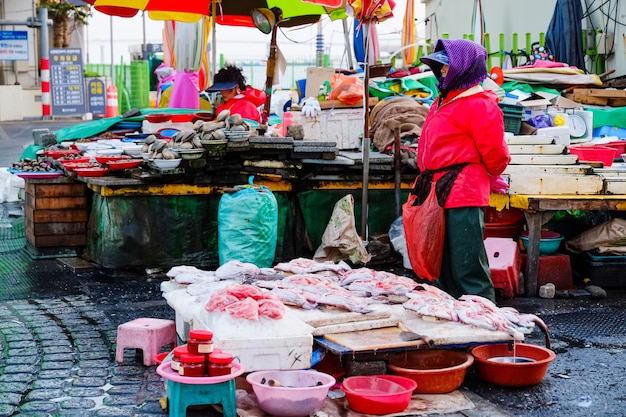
(46,108)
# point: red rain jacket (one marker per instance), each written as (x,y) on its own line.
(465,128)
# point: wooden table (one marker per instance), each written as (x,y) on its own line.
(539,209)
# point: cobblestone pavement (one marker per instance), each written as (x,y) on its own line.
(59,360)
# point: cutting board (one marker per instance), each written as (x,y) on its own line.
(355,326)
(385,338)
(328,317)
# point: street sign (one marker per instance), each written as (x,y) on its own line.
(96,96)
(13,45)
(66,82)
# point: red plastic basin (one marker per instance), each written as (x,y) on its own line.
(378,394)
(512,374)
(435,371)
(595,153)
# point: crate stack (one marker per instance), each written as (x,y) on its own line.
(139,84)
(512,117)
(55,217)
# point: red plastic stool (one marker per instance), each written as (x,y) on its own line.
(504,264)
(147,334)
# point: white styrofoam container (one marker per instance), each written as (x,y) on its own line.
(344,126)
(258,352)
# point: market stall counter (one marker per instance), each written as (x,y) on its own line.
(349,312)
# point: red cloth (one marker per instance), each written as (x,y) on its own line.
(245,104)
(467,129)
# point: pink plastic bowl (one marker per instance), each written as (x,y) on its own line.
(301,392)
(378,394)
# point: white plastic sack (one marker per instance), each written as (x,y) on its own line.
(340,240)
(608,237)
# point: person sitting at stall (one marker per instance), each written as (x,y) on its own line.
(238,97)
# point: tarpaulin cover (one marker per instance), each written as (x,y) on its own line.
(317,207)
(165,231)
(563,37)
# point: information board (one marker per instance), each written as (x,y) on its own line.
(66,82)
(13,45)
(96,96)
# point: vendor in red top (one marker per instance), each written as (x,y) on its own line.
(238,97)
(463,133)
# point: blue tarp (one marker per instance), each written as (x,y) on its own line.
(564,34)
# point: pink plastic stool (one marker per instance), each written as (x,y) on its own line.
(504,264)
(147,334)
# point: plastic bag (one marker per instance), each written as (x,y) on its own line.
(346,88)
(540,121)
(247,226)
(424,228)
(398,241)
(340,240)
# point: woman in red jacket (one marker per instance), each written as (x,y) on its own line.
(238,97)
(464,130)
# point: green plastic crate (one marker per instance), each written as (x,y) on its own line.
(512,117)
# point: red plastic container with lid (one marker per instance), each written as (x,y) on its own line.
(220,363)
(192,365)
(200,342)
(178,351)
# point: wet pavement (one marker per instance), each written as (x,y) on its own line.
(58,321)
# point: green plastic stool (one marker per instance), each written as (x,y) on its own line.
(181,396)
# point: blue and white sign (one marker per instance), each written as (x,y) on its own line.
(13,45)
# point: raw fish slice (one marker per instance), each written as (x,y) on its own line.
(247,309)
(295,297)
(271,308)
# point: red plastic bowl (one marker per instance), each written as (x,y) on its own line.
(159,357)
(91,172)
(182,118)
(435,371)
(158,117)
(124,164)
(56,154)
(74,165)
(378,394)
(594,153)
(512,374)
(105,159)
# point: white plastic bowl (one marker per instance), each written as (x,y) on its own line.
(167,163)
(301,392)
(109,152)
(132,150)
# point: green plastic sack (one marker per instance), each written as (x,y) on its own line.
(404,86)
(247,225)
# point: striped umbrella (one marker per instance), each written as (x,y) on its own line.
(409,34)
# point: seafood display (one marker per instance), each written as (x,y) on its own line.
(310,285)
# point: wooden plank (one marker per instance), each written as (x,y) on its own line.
(55,216)
(52,241)
(543,159)
(599,101)
(43,229)
(55,190)
(55,203)
(579,169)
(536,149)
(601,92)
(529,140)
(530,184)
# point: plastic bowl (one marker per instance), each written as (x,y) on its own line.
(512,374)
(594,153)
(109,152)
(124,164)
(157,117)
(204,116)
(214,145)
(378,394)
(91,171)
(182,118)
(104,159)
(301,392)
(166,163)
(550,241)
(435,371)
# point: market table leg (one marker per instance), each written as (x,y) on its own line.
(534,220)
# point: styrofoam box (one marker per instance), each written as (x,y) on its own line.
(262,353)
(344,126)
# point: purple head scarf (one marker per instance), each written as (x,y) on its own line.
(468,64)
